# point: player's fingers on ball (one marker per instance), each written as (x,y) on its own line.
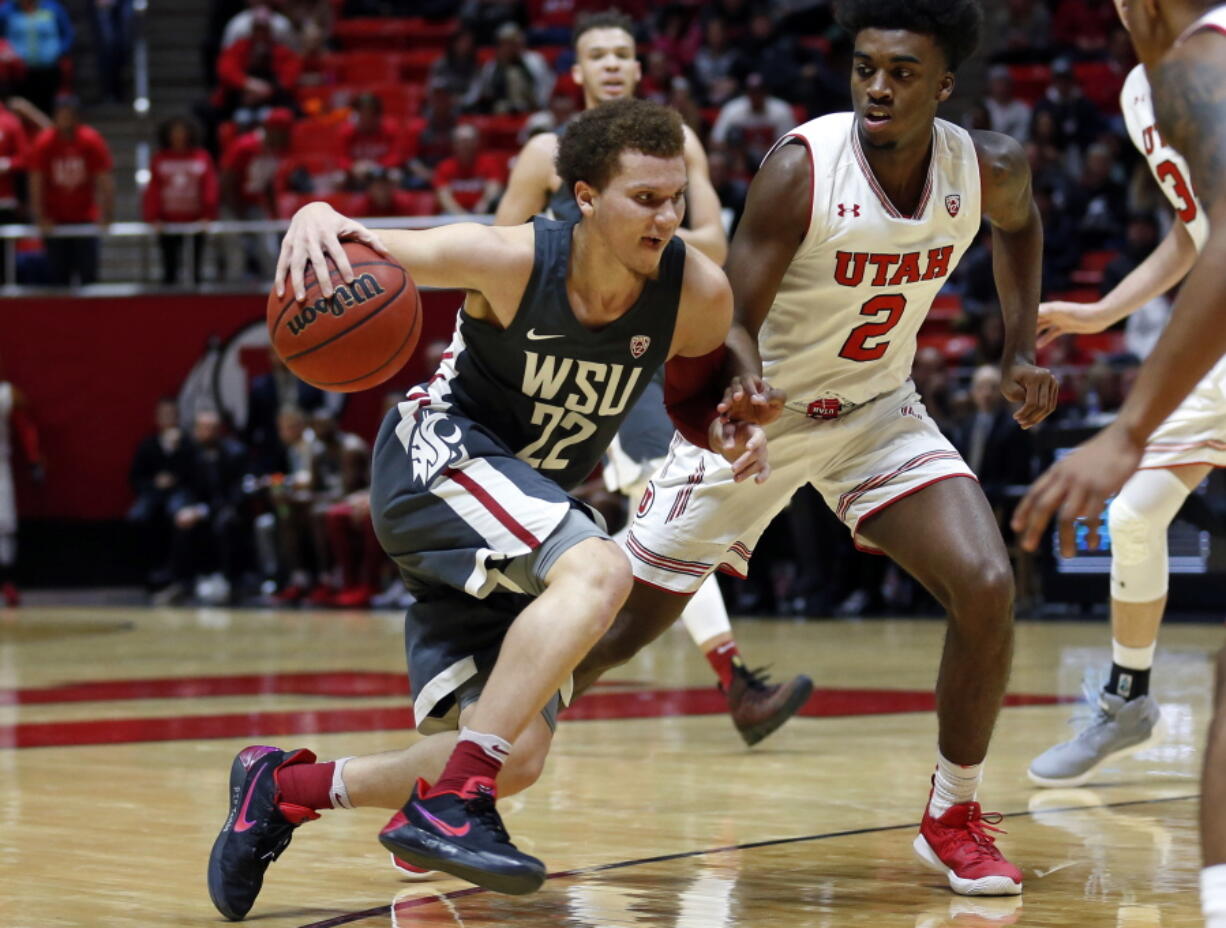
(340,259)
(763,474)
(322,274)
(282,263)
(297,275)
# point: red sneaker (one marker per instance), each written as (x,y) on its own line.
(321,596)
(410,871)
(288,596)
(958,845)
(353,597)
(11,596)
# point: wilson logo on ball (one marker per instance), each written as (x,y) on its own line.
(346,296)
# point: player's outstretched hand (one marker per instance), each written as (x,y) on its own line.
(1077,487)
(1036,388)
(315,234)
(1063,318)
(744,445)
(751,399)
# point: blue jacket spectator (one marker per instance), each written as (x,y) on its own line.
(41,33)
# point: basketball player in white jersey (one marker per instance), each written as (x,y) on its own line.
(1182,45)
(851,226)
(606,69)
(15,423)
(1178,456)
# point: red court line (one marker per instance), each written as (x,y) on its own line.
(632,705)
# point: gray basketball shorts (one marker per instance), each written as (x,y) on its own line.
(474,531)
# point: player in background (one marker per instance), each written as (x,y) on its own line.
(15,424)
(1182,45)
(606,68)
(562,328)
(1178,456)
(850,228)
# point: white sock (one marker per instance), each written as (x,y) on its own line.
(953,784)
(1133,658)
(1213,895)
(495,747)
(338,793)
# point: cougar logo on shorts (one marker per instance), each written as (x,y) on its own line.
(639,345)
(433,446)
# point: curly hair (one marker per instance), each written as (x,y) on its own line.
(612,18)
(953,24)
(590,147)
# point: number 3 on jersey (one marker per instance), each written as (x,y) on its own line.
(857,347)
(1169,170)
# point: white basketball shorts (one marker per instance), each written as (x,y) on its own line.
(1195,433)
(693,518)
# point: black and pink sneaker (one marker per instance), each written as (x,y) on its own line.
(462,834)
(258,828)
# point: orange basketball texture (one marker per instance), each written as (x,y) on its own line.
(357,339)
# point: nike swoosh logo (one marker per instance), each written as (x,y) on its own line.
(534,337)
(444,827)
(242,823)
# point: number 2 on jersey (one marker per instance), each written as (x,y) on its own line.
(857,348)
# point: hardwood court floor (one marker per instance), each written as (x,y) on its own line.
(117,729)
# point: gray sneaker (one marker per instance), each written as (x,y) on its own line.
(1114,730)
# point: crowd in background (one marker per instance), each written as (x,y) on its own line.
(297,108)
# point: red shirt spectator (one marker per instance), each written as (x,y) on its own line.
(13,147)
(251,163)
(371,139)
(182,187)
(256,70)
(69,164)
(468,184)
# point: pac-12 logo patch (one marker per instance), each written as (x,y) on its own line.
(953,203)
(649,497)
(639,345)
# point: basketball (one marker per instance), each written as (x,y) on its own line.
(357,339)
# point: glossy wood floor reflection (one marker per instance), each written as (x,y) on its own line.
(117,729)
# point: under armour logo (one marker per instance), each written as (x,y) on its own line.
(854,209)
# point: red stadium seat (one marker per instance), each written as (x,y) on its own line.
(1030,81)
(390,33)
(369,67)
(501,131)
(430,34)
(1100,83)
(415,64)
(316,137)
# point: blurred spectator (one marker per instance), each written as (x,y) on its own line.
(207,551)
(1145,325)
(248,169)
(561,107)
(1100,201)
(259,12)
(1050,161)
(677,35)
(319,67)
(1083,26)
(183,187)
(42,34)
(158,469)
(682,100)
(990,441)
(771,54)
(302,12)
(13,154)
(71,182)
(930,372)
(488,18)
(256,72)
(1018,31)
(292,498)
(17,430)
(754,121)
(12,68)
(735,14)
(716,64)
(369,140)
(1061,250)
(420,155)
(1076,119)
(977,118)
(458,67)
(657,77)
(470,181)
(1106,386)
(1008,114)
(383,198)
(730,189)
(516,80)
(989,331)
(220,14)
(340,466)
(112,22)
(268,395)
(551,21)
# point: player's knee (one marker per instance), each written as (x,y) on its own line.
(1132,534)
(600,568)
(987,592)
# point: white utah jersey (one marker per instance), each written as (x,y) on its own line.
(1167,165)
(843,325)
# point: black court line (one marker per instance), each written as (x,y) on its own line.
(351,917)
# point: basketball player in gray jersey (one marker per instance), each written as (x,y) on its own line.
(606,69)
(562,329)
